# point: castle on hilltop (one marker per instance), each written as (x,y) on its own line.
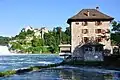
(38,31)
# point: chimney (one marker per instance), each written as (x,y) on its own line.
(97,8)
(88,13)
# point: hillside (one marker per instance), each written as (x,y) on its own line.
(32,40)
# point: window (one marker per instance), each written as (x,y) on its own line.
(77,23)
(98,39)
(86,14)
(107,31)
(97,23)
(86,39)
(84,31)
(98,31)
(98,48)
(88,49)
(94,15)
(103,31)
(84,23)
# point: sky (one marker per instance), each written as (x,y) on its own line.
(17,14)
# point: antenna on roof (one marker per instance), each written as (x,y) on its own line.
(97,8)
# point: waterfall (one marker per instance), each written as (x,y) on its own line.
(4,50)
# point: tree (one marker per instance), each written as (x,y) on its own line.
(58,32)
(65,38)
(22,35)
(115,35)
(37,42)
(30,32)
(49,43)
(116,27)
(67,31)
(4,40)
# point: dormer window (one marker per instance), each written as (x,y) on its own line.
(84,23)
(85,14)
(93,14)
(97,23)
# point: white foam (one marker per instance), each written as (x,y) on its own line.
(4,51)
(45,62)
(7,63)
(25,62)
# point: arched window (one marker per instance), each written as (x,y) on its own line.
(85,39)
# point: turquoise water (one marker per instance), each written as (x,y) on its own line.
(9,62)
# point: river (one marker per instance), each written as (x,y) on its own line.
(10,61)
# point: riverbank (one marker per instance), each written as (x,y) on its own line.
(98,65)
(24,70)
(39,62)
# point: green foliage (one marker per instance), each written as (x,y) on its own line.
(23,34)
(45,50)
(56,37)
(29,32)
(33,68)
(115,35)
(16,46)
(116,26)
(37,42)
(27,42)
(65,39)
(67,31)
(51,41)
(7,73)
(4,40)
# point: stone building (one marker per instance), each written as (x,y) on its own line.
(39,32)
(90,25)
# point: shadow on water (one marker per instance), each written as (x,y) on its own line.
(64,74)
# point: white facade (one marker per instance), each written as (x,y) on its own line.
(77,34)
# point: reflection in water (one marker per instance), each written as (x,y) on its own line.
(75,74)
(80,75)
(64,74)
